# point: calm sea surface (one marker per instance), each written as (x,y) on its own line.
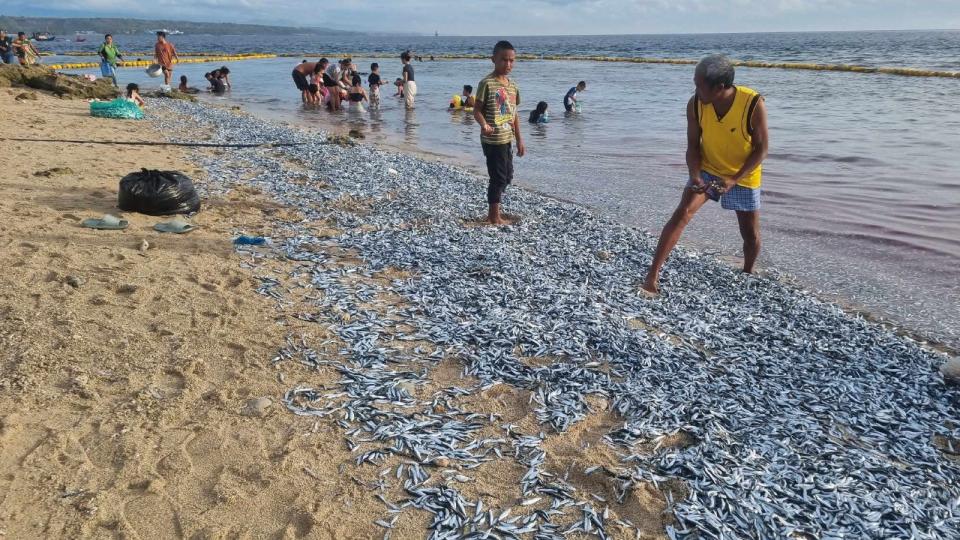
(861,189)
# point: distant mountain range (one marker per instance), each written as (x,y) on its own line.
(67,26)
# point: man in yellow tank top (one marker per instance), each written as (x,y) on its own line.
(726,143)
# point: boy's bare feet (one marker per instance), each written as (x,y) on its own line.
(504,219)
(510,219)
(494,217)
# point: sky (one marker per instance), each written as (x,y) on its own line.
(529,17)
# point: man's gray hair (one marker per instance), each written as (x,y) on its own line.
(716,70)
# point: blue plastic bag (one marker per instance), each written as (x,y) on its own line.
(244,240)
(107,70)
(118,108)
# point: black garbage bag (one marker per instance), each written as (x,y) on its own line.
(158,193)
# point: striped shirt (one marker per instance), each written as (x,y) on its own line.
(499,103)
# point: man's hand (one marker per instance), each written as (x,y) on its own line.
(727,184)
(487,130)
(698,185)
(521,148)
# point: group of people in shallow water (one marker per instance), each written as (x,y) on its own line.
(329,84)
(727,137)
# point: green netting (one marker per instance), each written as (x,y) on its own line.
(118,108)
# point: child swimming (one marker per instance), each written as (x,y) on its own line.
(466,99)
(539,115)
(184,88)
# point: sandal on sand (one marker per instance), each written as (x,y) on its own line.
(107,222)
(177,225)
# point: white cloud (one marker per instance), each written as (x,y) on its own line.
(537,16)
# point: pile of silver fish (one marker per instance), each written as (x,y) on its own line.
(805,421)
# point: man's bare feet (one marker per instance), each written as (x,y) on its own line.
(648,290)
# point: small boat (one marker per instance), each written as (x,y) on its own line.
(43,36)
(83,35)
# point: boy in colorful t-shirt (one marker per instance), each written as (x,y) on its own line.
(496,111)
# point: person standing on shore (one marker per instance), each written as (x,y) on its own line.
(726,143)
(306,70)
(165,53)
(7,54)
(409,82)
(109,54)
(496,111)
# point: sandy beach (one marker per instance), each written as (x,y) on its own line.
(122,394)
(126,375)
(387,369)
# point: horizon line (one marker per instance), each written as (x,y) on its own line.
(428,34)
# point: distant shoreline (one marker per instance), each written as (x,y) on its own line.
(132,26)
(64,26)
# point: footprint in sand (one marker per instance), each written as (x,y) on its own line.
(152,516)
(179,463)
(236,347)
(172,383)
(300,525)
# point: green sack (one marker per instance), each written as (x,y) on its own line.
(118,108)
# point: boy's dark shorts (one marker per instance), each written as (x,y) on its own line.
(300,80)
(500,168)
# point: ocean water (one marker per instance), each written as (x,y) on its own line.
(861,192)
(923,49)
